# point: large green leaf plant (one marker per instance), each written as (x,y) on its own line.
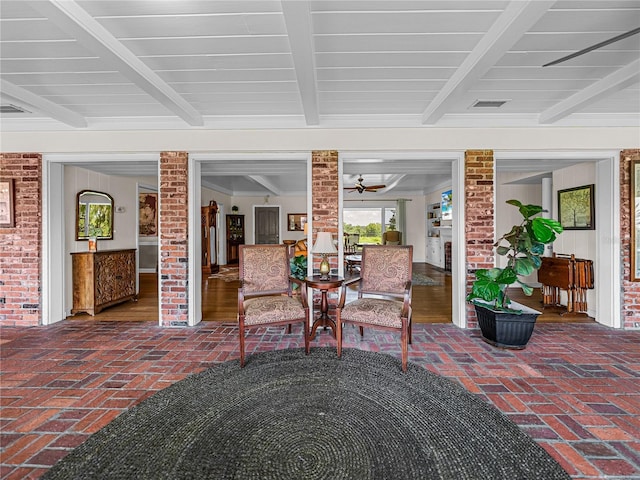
(524,248)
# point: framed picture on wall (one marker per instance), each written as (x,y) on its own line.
(447,205)
(148,224)
(296,221)
(576,208)
(7,203)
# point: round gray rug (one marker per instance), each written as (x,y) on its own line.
(291,416)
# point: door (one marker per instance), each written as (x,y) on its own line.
(267,225)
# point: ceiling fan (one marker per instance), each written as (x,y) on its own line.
(361,188)
(617,38)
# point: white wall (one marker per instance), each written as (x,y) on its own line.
(287,204)
(581,243)
(361,139)
(123,190)
(507,215)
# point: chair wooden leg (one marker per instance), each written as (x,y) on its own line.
(362,331)
(339,335)
(306,335)
(289,329)
(241,334)
(405,348)
(409,322)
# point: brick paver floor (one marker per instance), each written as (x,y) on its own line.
(575,389)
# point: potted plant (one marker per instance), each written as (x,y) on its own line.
(298,268)
(503,323)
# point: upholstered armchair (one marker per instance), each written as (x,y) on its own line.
(300,248)
(392,237)
(265,295)
(351,241)
(384,294)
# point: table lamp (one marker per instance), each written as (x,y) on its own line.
(324,246)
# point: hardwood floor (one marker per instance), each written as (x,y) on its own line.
(431,304)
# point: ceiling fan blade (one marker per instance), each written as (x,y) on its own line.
(617,38)
(375,187)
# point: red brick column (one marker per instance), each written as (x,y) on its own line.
(324,198)
(479,213)
(21,246)
(173,233)
(630,290)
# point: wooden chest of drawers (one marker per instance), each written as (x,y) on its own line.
(102,279)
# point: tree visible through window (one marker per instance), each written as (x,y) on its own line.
(368,222)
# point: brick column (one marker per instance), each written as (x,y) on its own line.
(173,233)
(630,290)
(324,198)
(479,213)
(21,245)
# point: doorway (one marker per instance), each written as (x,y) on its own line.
(267,224)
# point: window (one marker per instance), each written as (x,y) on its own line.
(368,222)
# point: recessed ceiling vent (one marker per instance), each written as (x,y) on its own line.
(489,103)
(12,109)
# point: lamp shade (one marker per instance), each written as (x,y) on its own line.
(324,244)
(306,228)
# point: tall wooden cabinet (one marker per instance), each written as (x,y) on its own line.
(235,237)
(102,279)
(209,237)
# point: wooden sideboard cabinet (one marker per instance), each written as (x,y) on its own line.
(102,279)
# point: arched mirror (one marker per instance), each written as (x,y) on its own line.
(94,215)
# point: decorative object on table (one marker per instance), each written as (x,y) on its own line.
(234,209)
(566,272)
(7,203)
(265,294)
(384,294)
(93,244)
(296,222)
(353,417)
(324,246)
(576,208)
(502,323)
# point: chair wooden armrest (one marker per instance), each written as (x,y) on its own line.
(343,290)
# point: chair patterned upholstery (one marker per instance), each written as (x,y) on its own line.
(384,294)
(265,295)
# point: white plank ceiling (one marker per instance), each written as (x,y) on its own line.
(134,64)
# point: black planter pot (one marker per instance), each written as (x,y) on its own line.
(506,330)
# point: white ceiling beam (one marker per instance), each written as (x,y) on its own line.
(42,105)
(515,20)
(297,18)
(618,80)
(264,182)
(391,185)
(73,19)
